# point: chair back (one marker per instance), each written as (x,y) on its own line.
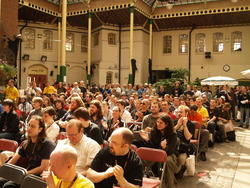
(13,173)
(8,145)
(31,181)
(151,154)
(133,147)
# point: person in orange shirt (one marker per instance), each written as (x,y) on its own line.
(204,133)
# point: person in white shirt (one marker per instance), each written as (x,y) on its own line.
(75,89)
(125,115)
(52,129)
(86,147)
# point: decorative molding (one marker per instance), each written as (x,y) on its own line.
(39,8)
(202,12)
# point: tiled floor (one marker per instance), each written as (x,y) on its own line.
(227,165)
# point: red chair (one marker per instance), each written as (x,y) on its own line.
(134,147)
(196,140)
(153,155)
(61,136)
(8,145)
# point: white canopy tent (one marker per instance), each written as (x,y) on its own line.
(219,80)
(246,73)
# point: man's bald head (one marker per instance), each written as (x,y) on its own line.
(126,134)
(66,154)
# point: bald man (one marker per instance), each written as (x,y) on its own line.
(117,165)
(62,171)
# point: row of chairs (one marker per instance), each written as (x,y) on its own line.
(19,176)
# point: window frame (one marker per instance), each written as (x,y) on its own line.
(28,40)
(49,40)
(72,43)
(234,40)
(217,41)
(167,40)
(200,41)
(183,42)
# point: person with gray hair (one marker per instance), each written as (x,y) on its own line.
(62,172)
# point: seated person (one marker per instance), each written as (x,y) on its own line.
(115,122)
(149,120)
(224,117)
(90,129)
(9,122)
(185,130)
(52,129)
(164,137)
(33,152)
(117,164)
(86,147)
(75,102)
(62,172)
(195,116)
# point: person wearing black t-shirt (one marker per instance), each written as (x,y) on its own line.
(90,129)
(117,165)
(33,154)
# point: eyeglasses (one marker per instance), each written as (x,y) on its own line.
(72,135)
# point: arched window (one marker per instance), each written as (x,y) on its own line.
(29,38)
(112,38)
(109,77)
(69,42)
(48,40)
(218,42)
(167,44)
(236,41)
(200,45)
(183,43)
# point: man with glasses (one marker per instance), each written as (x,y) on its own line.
(117,165)
(86,147)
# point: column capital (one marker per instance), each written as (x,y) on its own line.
(131,9)
(59,19)
(90,14)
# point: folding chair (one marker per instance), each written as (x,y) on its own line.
(8,145)
(13,173)
(196,140)
(31,181)
(153,155)
(61,136)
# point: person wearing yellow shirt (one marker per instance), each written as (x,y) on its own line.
(49,89)
(62,172)
(202,110)
(11,91)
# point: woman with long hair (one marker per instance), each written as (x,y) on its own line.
(33,154)
(163,136)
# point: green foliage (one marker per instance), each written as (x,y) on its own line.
(6,72)
(179,75)
(196,82)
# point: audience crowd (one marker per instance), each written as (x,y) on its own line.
(73,135)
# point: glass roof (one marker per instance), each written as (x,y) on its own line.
(163,3)
(69,1)
(155,3)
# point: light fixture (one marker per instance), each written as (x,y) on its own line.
(43,58)
(234,1)
(26,57)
